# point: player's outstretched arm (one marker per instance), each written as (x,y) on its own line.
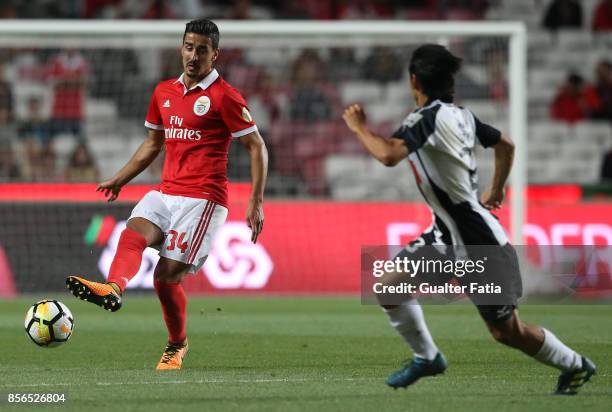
(504,156)
(259,172)
(387,151)
(142,158)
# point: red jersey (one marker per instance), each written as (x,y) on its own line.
(571,108)
(70,72)
(199,124)
(602,19)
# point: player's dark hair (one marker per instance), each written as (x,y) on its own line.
(575,79)
(204,27)
(435,68)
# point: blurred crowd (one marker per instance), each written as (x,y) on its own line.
(568,14)
(307,93)
(245,9)
(296,99)
(579,100)
(33,126)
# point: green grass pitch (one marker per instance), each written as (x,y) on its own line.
(293,354)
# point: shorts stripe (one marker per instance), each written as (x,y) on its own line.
(200,236)
(200,223)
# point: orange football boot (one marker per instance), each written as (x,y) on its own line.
(173,357)
(101,294)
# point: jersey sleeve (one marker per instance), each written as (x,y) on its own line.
(487,135)
(416,129)
(236,115)
(154,119)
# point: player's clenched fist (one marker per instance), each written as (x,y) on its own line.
(493,200)
(355,117)
(110,188)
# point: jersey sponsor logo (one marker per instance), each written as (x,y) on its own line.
(184,134)
(166,103)
(201,105)
(246,115)
(181,132)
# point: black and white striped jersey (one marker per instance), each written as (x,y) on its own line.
(441,138)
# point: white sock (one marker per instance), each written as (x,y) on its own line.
(408,321)
(556,354)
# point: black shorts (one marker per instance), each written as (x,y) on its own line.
(501,260)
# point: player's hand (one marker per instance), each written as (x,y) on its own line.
(493,200)
(110,188)
(354,117)
(255,219)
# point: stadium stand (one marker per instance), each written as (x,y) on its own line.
(312,153)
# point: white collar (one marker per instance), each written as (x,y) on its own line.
(431,104)
(204,83)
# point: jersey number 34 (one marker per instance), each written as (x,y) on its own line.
(177,240)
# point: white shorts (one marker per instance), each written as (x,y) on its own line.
(189,225)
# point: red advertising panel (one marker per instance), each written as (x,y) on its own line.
(305,247)
(314,246)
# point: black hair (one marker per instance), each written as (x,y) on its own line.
(435,68)
(575,79)
(205,27)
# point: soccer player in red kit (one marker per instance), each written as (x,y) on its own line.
(195,116)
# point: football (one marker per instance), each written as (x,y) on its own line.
(49,323)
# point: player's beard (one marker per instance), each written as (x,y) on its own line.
(198,73)
(191,71)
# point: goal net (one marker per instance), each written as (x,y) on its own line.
(79,94)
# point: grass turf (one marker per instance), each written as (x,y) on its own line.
(293,354)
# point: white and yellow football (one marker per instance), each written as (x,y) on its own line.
(49,323)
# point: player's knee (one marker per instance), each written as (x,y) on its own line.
(170,271)
(502,335)
(169,277)
(507,333)
(151,233)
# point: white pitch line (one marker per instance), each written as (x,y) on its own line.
(183,382)
(35,385)
(202,381)
(230,381)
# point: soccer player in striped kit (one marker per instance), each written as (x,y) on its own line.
(438,139)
